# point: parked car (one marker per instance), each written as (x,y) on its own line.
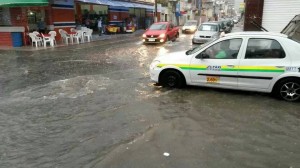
(161,32)
(207,31)
(235,20)
(229,25)
(190,26)
(252,61)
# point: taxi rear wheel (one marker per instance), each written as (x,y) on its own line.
(172,79)
(288,89)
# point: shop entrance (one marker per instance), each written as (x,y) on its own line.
(138,15)
(36,19)
(88,15)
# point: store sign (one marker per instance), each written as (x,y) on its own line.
(63,2)
(158,7)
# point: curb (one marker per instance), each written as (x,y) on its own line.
(138,33)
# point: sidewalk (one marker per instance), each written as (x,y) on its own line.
(95,38)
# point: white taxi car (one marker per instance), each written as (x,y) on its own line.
(253,61)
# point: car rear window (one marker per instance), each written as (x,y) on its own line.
(208,27)
(264,49)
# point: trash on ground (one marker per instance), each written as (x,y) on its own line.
(166,154)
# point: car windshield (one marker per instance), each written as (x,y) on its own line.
(190,23)
(158,27)
(198,48)
(208,27)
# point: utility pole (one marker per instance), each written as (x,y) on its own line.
(155,6)
(199,7)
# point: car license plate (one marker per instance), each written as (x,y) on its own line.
(151,39)
(212,79)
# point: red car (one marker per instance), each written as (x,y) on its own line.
(161,32)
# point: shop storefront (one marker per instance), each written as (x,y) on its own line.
(139,17)
(119,13)
(149,18)
(24,16)
(87,14)
(18,17)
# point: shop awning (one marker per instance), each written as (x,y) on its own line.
(117,3)
(20,3)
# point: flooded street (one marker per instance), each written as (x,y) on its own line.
(93,105)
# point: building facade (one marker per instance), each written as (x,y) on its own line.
(19,17)
(272,15)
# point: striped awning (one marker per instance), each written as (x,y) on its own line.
(118,3)
(20,3)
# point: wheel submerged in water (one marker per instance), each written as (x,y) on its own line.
(172,79)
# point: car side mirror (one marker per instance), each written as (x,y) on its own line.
(202,55)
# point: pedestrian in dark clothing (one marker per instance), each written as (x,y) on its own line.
(100,26)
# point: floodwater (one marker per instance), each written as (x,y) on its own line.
(93,105)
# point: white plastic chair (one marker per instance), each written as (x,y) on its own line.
(36,33)
(64,36)
(53,34)
(78,36)
(35,39)
(73,30)
(48,39)
(88,34)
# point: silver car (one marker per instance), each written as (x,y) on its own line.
(206,32)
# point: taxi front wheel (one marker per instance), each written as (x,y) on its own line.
(172,79)
(288,89)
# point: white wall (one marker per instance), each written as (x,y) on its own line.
(278,13)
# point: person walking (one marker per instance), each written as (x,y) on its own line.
(100,26)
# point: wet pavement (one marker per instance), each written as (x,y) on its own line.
(93,105)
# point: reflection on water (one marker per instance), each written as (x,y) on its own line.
(162,51)
(72,108)
(68,88)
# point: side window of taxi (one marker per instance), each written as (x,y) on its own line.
(264,49)
(227,49)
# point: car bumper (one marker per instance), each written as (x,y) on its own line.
(154,73)
(153,40)
(188,30)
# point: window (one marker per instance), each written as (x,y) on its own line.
(4,17)
(227,49)
(264,49)
(158,27)
(208,27)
